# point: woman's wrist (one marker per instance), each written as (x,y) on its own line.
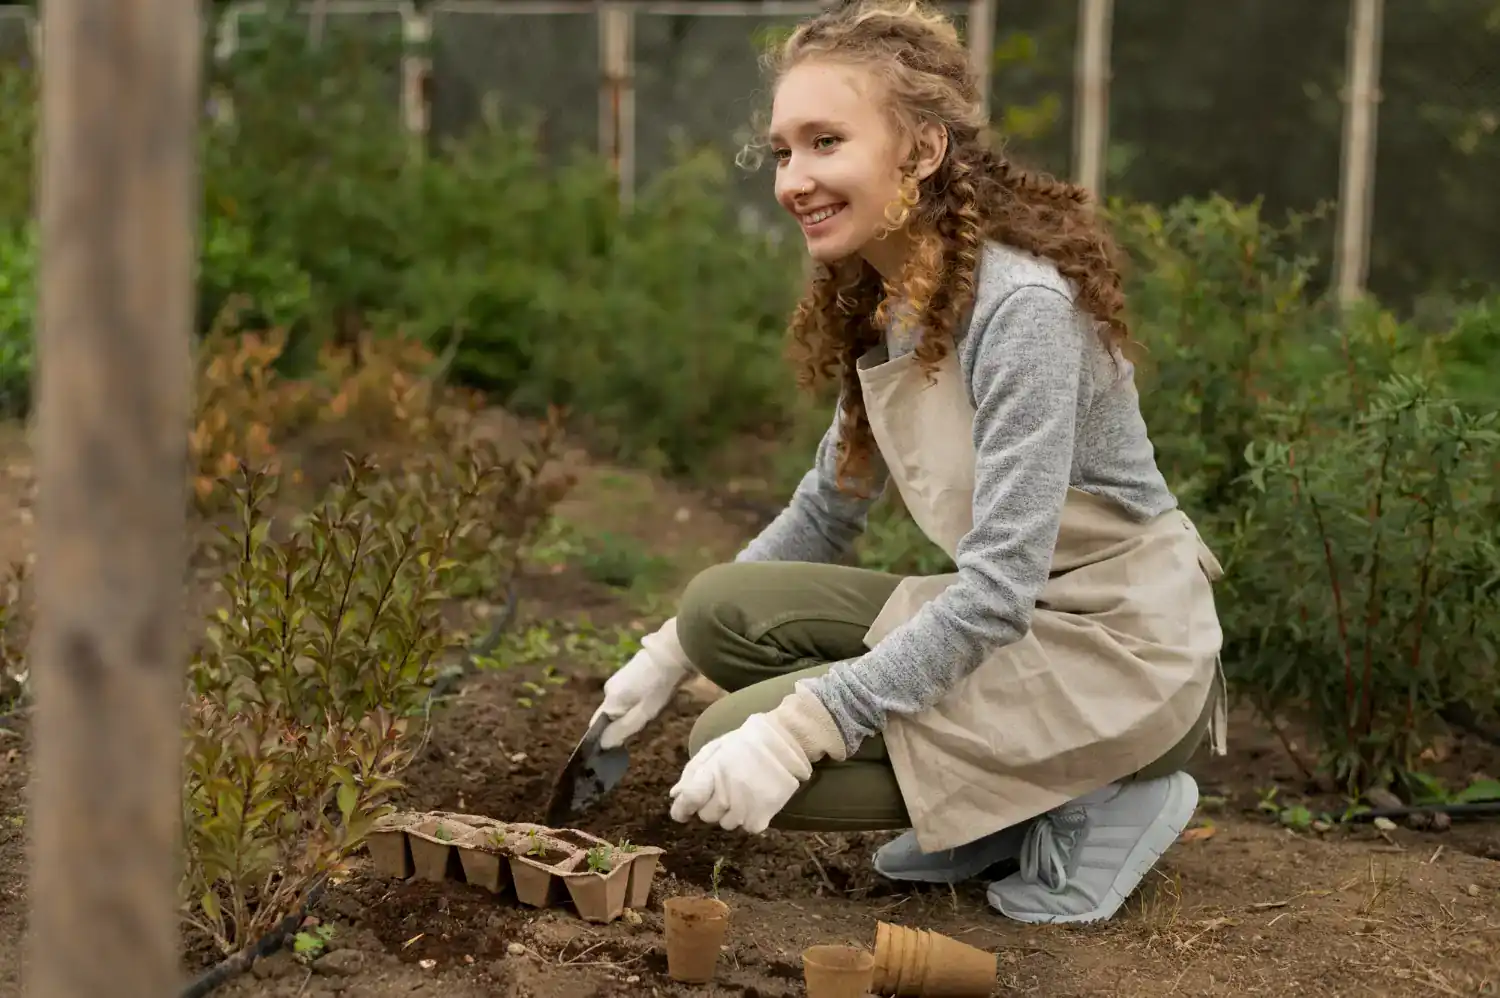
(666,650)
(809,724)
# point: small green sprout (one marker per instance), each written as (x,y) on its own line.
(599,859)
(309,944)
(718,872)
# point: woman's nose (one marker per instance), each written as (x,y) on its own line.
(791,184)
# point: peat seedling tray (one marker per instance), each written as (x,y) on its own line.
(540,867)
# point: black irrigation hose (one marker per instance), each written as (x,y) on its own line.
(221,973)
(1478,809)
(230,968)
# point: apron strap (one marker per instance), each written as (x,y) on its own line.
(1218,720)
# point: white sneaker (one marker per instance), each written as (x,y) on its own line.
(1080,862)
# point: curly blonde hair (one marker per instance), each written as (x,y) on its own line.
(975,194)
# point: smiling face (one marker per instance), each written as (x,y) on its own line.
(838,160)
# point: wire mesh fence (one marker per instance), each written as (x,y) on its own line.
(1436,225)
(17,25)
(1240,98)
(541,68)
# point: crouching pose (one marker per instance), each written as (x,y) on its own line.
(1038,704)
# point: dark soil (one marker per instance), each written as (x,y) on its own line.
(494,758)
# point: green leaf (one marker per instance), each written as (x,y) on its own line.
(1479,791)
(348,798)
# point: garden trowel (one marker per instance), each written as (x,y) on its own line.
(590,774)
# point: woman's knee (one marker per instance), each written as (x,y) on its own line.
(719,718)
(705,618)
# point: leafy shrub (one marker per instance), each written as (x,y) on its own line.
(263,289)
(1373,550)
(381,392)
(244,407)
(18,127)
(1222,304)
(311,692)
(676,346)
(18,289)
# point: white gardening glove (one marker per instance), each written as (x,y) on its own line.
(744,778)
(635,694)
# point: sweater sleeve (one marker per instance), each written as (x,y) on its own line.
(820,523)
(1027,373)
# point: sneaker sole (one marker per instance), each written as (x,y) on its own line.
(1160,835)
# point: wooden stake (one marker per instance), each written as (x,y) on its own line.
(1091,95)
(1357,169)
(119,198)
(981,38)
(617,94)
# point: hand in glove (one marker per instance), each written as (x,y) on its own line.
(637,693)
(744,778)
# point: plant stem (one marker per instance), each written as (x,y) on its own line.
(1338,607)
(1372,601)
(1286,743)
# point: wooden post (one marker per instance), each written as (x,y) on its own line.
(617,94)
(981,37)
(1091,68)
(416,71)
(1357,166)
(118,199)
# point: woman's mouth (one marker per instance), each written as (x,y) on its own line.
(814,220)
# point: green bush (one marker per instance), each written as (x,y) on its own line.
(1372,550)
(1220,301)
(312,691)
(18,290)
(656,328)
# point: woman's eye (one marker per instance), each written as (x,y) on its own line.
(824,142)
(781,154)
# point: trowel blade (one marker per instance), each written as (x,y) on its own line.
(588,776)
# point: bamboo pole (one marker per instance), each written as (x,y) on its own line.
(416,71)
(981,37)
(617,94)
(1357,159)
(1091,70)
(118,195)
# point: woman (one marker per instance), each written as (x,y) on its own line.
(1038,704)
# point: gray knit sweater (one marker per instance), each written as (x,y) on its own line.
(1054,407)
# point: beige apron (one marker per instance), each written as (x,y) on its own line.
(1116,669)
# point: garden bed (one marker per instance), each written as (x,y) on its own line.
(1242,907)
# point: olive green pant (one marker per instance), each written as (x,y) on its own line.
(756,628)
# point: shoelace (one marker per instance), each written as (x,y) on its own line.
(1049,844)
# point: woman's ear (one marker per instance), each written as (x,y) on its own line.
(931,149)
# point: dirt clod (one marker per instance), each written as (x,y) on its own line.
(340,963)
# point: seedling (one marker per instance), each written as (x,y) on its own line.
(627,846)
(599,859)
(535,846)
(714,882)
(442,833)
(308,945)
(550,677)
